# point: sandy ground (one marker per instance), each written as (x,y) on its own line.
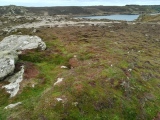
(51,22)
(61,24)
(61,21)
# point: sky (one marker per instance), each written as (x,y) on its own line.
(37,3)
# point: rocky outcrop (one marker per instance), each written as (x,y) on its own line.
(7,63)
(13,10)
(9,46)
(9,49)
(21,42)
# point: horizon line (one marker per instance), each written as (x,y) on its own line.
(82,6)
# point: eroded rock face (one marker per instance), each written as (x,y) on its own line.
(21,42)
(7,63)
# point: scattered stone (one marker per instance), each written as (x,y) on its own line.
(12,31)
(157,40)
(62,99)
(129,70)
(21,42)
(34,31)
(146,35)
(20,33)
(65,67)
(59,80)
(12,105)
(75,103)
(14,80)
(126,85)
(5,22)
(59,99)
(123,83)
(33,85)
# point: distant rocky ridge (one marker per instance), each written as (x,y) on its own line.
(79,10)
(13,10)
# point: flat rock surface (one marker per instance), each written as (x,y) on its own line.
(21,42)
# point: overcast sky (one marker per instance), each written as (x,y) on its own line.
(77,2)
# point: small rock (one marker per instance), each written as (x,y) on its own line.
(12,105)
(75,103)
(33,85)
(157,40)
(64,67)
(123,83)
(129,70)
(5,22)
(146,35)
(59,99)
(59,80)
(34,31)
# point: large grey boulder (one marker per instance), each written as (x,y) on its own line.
(7,63)
(21,42)
(9,46)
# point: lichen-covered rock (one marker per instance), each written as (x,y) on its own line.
(21,42)
(7,63)
(9,50)
(14,80)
